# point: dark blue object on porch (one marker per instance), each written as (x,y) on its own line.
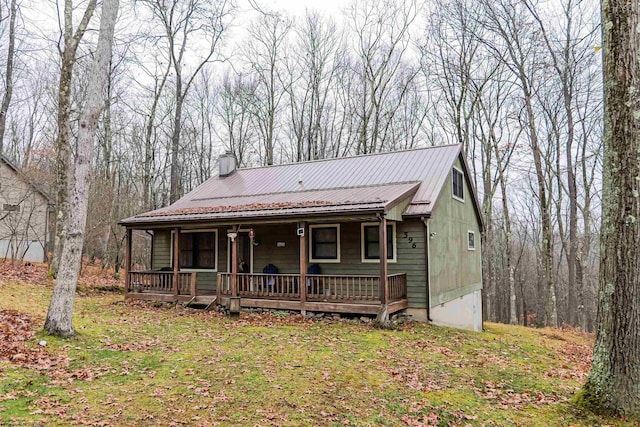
(269,281)
(313,285)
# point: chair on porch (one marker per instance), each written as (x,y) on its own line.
(313,285)
(268,282)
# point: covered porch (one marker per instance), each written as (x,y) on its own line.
(335,289)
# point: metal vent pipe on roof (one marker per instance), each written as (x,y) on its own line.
(226,164)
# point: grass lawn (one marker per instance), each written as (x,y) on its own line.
(136,364)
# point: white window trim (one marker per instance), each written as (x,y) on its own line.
(474,240)
(199,230)
(326,261)
(362,242)
(460,199)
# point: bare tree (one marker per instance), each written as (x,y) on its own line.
(382,38)
(59,316)
(234,110)
(264,55)
(311,78)
(8,77)
(519,48)
(186,24)
(612,385)
(569,53)
(70,42)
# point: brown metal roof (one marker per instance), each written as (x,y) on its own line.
(362,183)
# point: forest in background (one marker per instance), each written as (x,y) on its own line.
(518,83)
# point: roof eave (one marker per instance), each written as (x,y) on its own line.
(132,222)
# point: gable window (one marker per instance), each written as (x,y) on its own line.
(458,184)
(11,208)
(198,249)
(370,237)
(471,240)
(324,243)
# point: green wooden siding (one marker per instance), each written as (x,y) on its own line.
(455,270)
(162,257)
(411,260)
(161,249)
(287,258)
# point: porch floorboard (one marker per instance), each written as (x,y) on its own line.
(368,307)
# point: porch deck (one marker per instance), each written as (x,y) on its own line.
(357,294)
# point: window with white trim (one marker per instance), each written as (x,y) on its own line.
(198,249)
(457,178)
(471,240)
(324,243)
(370,238)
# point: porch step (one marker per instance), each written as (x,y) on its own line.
(202,302)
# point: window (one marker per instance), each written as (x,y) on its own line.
(324,243)
(458,184)
(471,240)
(371,242)
(198,249)
(11,208)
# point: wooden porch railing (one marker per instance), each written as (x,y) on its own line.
(397,286)
(162,282)
(320,287)
(283,286)
(329,287)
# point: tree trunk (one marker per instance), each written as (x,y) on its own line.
(551,312)
(59,316)
(612,386)
(513,313)
(8,90)
(63,140)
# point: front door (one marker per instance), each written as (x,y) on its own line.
(244,254)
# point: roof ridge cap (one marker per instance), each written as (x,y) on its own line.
(357,156)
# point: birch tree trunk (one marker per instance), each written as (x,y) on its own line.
(59,316)
(612,387)
(8,90)
(63,140)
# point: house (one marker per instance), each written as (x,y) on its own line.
(307,236)
(25,212)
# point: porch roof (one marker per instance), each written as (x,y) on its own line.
(357,200)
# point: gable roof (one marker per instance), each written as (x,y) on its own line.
(360,184)
(22,176)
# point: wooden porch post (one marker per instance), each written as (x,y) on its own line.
(382,320)
(234,264)
(384,280)
(127,259)
(176,261)
(303,268)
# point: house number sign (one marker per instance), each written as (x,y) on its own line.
(410,239)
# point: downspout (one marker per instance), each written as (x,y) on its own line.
(427,259)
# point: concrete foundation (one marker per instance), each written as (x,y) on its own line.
(33,250)
(464,312)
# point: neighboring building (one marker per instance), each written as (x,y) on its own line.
(24,216)
(258,233)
